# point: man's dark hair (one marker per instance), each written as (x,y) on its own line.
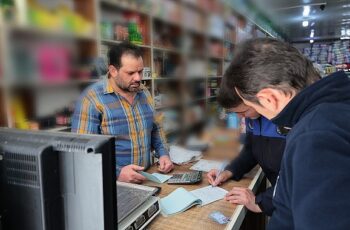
(228,97)
(269,63)
(116,52)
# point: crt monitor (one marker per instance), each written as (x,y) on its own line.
(86,171)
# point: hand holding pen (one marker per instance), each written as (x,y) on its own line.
(217,176)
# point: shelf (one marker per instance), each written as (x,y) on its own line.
(214,77)
(49,84)
(196,100)
(87,81)
(195,78)
(194,7)
(167,106)
(167,78)
(115,42)
(51,33)
(171,50)
(125,7)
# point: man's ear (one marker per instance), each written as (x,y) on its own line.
(113,72)
(269,98)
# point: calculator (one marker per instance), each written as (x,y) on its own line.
(186,178)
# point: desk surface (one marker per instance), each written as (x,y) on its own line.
(198,217)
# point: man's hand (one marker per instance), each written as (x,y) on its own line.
(224,176)
(243,196)
(165,164)
(130,174)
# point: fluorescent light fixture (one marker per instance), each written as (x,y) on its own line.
(342,32)
(305,23)
(312,33)
(346,14)
(345,37)
(345,23)
(306,11)
(348,32)
(312,23)
(346,6)
(311,41)
(346,19)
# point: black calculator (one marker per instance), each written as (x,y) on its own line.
(186,178)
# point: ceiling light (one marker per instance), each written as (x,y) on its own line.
(345,37)
(312,24)
(312,33)
(348,32)
(342,32)
(305,23)
(306,11)
(311,41)
(346,6)
(345,23)
(345,19)
(346,14)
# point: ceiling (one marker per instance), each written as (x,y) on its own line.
(287,16)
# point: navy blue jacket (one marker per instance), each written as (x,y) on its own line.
(313,188)
(264,146)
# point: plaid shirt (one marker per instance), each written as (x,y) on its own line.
(102,111)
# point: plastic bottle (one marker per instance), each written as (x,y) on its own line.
(232,121)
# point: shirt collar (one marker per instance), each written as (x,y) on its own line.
(107,87)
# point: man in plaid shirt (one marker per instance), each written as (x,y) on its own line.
(122,107)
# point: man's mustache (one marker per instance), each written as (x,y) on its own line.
(136,82)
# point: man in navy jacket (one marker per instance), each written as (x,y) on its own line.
(263,145)
(312,191)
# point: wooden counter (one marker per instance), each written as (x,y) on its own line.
(224,145)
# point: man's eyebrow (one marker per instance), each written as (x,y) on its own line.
(133,71)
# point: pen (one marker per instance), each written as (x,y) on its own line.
(219,171)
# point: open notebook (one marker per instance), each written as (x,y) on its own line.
(180,200)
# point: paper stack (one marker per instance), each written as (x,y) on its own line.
(180,155)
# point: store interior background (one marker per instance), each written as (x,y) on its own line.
(51,50)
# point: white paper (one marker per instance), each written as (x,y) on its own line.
(209,194)
(180,155)
(162,177)
(156,177)
(207,165)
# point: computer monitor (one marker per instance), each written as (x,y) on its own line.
(30,186)
(87,179)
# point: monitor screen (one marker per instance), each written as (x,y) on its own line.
(87,179)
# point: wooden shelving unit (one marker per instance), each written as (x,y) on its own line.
(175,41)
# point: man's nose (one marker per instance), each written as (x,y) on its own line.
(138,77)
